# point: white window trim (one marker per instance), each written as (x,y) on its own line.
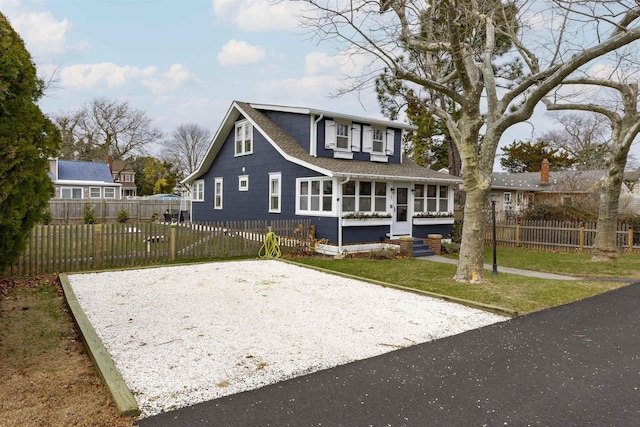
(275,176)
(245,125)
(217,181)
(332,212)
(104,192)
(245,179)
(198,195)
(99,192)
(437,198)
(71,189)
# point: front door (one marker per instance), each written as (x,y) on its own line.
(402,212)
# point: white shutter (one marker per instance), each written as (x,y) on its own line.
(367,139)
(355,137)
(391,139)
(329,134)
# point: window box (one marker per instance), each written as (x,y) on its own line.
(365,222)
(433,220)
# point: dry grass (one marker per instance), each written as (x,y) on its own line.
(46,378)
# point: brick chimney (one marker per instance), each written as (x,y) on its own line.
(544,172)
(110,162)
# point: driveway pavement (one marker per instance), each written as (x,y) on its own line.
(573,365)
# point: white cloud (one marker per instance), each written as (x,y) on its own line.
(177,76)
(42,33)
(240,53)
(91,76)
(320,62)
(258,15)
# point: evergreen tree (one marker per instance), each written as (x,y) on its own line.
(27,139)
(527,157)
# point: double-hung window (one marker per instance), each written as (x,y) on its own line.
(506,201)
(342,136)
(274,192)
(198,191)
(244,138)
(95,192)
(109,193)
(217,193)
(315,195)
(377,143)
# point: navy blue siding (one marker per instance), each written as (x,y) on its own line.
(296,125)
(364,234)
(254,203)
(422,231)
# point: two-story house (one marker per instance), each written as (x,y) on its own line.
(343,172)
(82,180)
(123,173)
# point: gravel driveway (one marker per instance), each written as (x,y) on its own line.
(185,334)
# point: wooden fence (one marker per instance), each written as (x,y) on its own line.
(557,235)
(81,247)
(139,210)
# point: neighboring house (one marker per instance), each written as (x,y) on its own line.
(345,173)
(124,174)
(82,180)
(516,192)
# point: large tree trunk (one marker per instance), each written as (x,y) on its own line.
(605,247)
(477,185)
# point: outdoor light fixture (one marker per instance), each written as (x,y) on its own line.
(492,197)
(393,190)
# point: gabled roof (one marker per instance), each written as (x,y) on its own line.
(118,166)
(69,170)
(291,150)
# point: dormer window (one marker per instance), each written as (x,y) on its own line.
(244,138)
(378,141)
(342,136)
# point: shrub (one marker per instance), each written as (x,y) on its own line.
(89,215)
(123,216)
(547,212)
(46,217)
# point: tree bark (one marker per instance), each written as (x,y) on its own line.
(605,247)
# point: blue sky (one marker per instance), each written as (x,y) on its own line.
(185,61)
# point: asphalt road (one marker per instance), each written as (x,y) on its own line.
(574,365)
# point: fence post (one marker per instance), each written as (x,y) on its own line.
(518,235)
(97,246)
(172,244)
(581,239)
(630,239)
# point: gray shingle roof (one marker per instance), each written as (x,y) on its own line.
(69,170)
(559,181)
(407,171)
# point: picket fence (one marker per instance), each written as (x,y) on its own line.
(81,247)
(562,236)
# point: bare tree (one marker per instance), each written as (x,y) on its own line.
(619,106)
(187,146)
(446,50)
(582,137)
(103,127)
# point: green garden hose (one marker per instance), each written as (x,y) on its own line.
(270,248)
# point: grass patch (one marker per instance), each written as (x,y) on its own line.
(518,293)
(573,264)
(46,378)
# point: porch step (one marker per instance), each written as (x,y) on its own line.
(420,249)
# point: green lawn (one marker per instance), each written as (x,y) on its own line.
(574,264)
(516,293)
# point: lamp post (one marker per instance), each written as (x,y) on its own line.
(493,214)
